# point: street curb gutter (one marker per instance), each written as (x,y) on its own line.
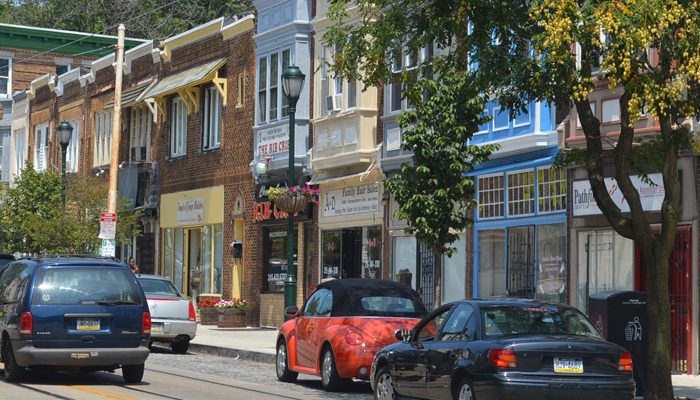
(249,355)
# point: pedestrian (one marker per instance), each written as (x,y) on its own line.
(133,266)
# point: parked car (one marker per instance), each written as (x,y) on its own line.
(81,313)
(503,349)
(6,259)
(341,326)
(173,319)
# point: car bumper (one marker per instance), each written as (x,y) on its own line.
(554,389)
(28,355)
(354,361)
(166,330)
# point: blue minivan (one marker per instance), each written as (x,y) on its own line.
(70,312)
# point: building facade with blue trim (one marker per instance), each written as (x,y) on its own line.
(520,235)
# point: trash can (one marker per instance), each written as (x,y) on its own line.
(620,316)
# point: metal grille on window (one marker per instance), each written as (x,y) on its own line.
(521,193)
(426,267)
(491,196)
(521,271)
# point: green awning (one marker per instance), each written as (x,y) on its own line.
(190,77)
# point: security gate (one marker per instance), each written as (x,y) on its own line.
(426,271)
(521,262)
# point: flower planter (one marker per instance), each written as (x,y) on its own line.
(232,318)
(291,203)
(208,316)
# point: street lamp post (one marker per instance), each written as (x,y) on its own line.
(65,131)
(292,83)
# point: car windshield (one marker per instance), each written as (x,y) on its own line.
(158,287)
(517,320)
(4,261)
(379,302)
(85,285)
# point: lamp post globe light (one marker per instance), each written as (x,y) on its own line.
(292,84)
(64,131)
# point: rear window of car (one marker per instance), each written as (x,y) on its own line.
(85,285)
(511,320)
(158,287)
(379,302)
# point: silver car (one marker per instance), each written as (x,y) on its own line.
(173,319)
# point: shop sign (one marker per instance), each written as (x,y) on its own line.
(264,209)
(273,140)
(651,195)
(190,211)
(350,200)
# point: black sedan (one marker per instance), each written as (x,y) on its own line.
(503,349)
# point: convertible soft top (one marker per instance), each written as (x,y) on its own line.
(349,294)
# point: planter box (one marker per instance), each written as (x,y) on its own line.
(208,316)
(231,319)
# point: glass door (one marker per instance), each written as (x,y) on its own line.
(195,270)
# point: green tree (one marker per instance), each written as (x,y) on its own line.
(525,51)
(33,221)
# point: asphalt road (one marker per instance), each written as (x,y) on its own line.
(178,377)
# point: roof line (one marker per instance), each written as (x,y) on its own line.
(77,33)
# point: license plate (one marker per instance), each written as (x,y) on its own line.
(88,325)
(156,328)
(568,365)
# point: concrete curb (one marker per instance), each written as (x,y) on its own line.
(256,356)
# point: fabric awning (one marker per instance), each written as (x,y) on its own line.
(132,95)
(190,77)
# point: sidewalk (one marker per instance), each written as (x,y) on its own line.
(258,344)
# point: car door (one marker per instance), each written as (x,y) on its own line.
(450,348)
(306,324)
(411,363)
(13,286)
(320,323)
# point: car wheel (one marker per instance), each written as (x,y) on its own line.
(464,391)
(284,374)
(383,385)
(330,380)
(180,346)
(132,373)
(13,372)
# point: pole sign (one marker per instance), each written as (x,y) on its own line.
(108,248)
(108,226)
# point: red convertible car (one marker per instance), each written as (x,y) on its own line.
(340,328)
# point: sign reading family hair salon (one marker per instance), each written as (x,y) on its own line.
(350,200)
(190,211)
(651,195)
(273,140)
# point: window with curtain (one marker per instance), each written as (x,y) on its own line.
(41,146)
(140,133)
(178,127)
(20,149)
(103,138)
(211,129)
(73,150)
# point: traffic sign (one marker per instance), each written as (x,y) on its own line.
(108,226)
(108,248)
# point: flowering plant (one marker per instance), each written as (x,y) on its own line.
(238,304)
(207,302)
(307,191)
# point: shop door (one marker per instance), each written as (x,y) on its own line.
(194,262)
(145,251)
(679,287)
(351,251)
(426,272)
(521,263)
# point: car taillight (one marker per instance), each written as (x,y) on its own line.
(26,323)
(625,362)
(503,358)
(146,323)
(353,338)
(193,315)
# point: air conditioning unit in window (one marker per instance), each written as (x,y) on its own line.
(334,102)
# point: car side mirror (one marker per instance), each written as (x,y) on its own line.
(403,335)
(291,311)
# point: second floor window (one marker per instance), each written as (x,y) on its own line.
(139,134)
(20,147)
(211,125)
(178,127)
(5,69)
(73,150)
(41,146)
(272,103)
(103,138)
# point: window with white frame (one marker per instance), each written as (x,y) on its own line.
(551,189)
(271,99)
(5,147)
(262,90)
(41,146)
(490,196)
(521,193)
(274,84)
(578,120)
(139,133)
(178,127)
(286,61)
(211,126)
(73,149)
(103,138)
(395,99)
(20,149)
(325,88)
(5,76)
(611,110)
(501,119)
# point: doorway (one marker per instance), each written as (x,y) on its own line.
(350,253)
(195,272)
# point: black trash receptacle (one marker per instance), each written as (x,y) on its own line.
(620,316)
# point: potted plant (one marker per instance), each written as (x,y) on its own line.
(293,200)
(231,313)
(208,314)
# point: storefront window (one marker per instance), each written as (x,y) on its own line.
(404,260)
(179,258)
(606,262)
(330,254)
(454,272)
(275,266)
(218,258)
(551,272)
(372,253)
(168,238)
(207,261)
(492,262)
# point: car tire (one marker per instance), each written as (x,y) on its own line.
(284,374)
(383,385)
(180,346)
(330,380)
(464,391)
(13,371)
(132,373)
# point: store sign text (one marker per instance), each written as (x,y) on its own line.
(265,210)
(273,140)
(350,200)
(651,196)
(190,211)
